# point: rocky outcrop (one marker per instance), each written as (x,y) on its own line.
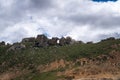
(65,41)
(17,46)
(110,38)
(53,41)
(41,41)
(2,43)
(62,41)
(31,39)
(90,42)
(68,40)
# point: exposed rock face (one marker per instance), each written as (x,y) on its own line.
(41,41)
(31,39)
(53,41)
(17,46)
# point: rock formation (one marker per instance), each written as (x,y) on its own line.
(62,41)
(68,40)
(31,39)
(65,41)
(90,42)
(2,43)
(17,46)
(110,38)
(41,41)
(53,41)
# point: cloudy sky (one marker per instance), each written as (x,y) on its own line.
(86,20)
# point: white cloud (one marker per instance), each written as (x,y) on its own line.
(81,19)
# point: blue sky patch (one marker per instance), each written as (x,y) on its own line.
(104,0)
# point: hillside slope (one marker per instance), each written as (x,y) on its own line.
(61,62)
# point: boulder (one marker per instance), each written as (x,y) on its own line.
(17,46)
(62,41)
(90,42)
(41,41)
(2,43)
(53,41)
(110,38)
(68,40)
(31,39)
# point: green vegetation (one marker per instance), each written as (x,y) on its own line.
(31,57)
(38,76)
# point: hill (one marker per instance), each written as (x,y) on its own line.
(41,58)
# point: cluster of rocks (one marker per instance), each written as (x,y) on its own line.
(108,39)
(43,41)
(31,39)
(16,46)
(2,43)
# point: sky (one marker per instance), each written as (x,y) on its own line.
(104,0)
(86,20)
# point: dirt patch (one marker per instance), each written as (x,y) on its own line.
(11,75)
(53,65)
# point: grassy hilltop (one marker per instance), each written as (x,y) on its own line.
(58,62)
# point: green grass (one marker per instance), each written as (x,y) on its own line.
(38,76)
(31,57)
(37,56)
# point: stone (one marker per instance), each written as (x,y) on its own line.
(110,38)
(62,41)
(2,43)
(41,41)
(53,41)
(90,42)
(31,39)
(17,46)
(68,40)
